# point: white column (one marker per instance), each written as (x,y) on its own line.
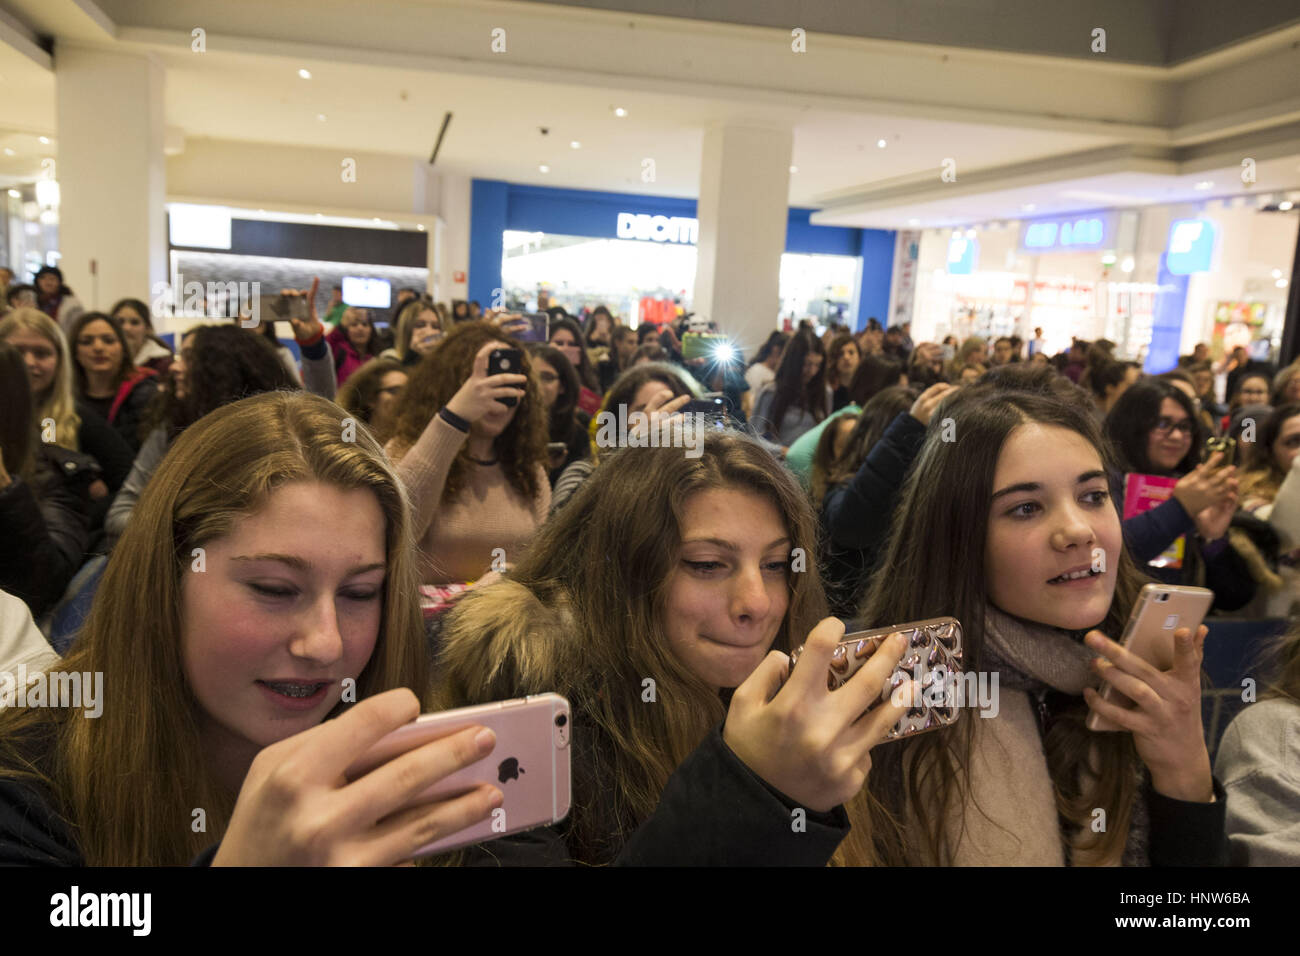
(743,210)
(454,235)
(111,173)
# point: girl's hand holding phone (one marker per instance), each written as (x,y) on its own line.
(1166,721)
(1206,485)
(479,394)
(661,407)
(296,807)
(810,743)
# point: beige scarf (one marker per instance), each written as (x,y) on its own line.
(1009,816)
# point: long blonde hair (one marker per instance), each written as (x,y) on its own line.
(59,403)
(600,569)
(127,782)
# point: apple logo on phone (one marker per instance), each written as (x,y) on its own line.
(509,769)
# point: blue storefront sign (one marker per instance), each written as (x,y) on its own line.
(497,206)
(1079,232)
(1191,246)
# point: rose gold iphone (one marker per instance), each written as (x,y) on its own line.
(1160,610)
(529,764)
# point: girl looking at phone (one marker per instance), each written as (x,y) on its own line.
(231,622)
(419,330)
(666,584)
(474,467)
(1011,529)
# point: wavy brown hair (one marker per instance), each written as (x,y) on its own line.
(127,781)
(935,557)
(605,561)
(435,381)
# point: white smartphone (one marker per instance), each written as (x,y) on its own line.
(1159,611)
(529,764)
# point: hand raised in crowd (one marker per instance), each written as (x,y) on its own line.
(804,739)
(479,394)
(1166,723)
(297,808)
(1207,485)
(304,330)
(661,407)
(511,323)
(925,404)
(1214,521)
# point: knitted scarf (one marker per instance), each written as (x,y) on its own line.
(1033,659)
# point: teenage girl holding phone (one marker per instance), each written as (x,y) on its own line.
(1010,528)
(231,622)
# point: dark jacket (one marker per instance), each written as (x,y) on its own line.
(100,441)
(45,530)
(713,810)
(856,515)
(127,414)
(577,445)
(1215,565)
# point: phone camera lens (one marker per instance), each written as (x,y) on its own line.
(561,720)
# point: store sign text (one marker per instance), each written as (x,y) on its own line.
(1064,234)
(658,228)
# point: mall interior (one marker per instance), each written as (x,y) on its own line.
(607,359)
(884,162)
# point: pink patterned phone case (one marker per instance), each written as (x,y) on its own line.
(933,658)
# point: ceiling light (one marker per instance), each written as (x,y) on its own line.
(377,219)
(15,194)
(1285,204)
(913,222)
(880,143)
(619,111)
(1280,283)
(320,117)
(1028,207)
(1128,265)
(420,226)
(574,144)
(1203,185)
(320,215)
(543,168)
(45,140)
(794,169)
(9,152)
(305,74)
(1277,273)
(261,212)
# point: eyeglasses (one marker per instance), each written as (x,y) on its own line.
(1167,425)
(548,377)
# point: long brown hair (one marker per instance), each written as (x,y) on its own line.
(435,381)
(603,564)
(125,365)
(127,782)
(935,562)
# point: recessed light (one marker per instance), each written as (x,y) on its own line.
(1203,185)
(574,144)
(15,194)
(9,152)
(913,222)
(1285,204)
(420,226)
(261,212)
(320,117)
(1277,273)
(320,215)
(1128,265)
(1280,283)
(881,144)
(794,169)
(1028,207)
(305,74)
(45,140)
(619,111)
(543,168)
(377,219)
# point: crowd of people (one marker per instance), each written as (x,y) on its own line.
(255,529)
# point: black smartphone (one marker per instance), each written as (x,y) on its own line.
(713,409)
(506,362)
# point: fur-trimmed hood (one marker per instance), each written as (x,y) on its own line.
(501,642)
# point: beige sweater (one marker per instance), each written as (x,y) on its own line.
(457,539)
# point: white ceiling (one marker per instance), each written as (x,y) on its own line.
(256,95)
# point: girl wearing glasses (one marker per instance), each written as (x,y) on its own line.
(1154,432)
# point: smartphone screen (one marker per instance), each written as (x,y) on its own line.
(537,330)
